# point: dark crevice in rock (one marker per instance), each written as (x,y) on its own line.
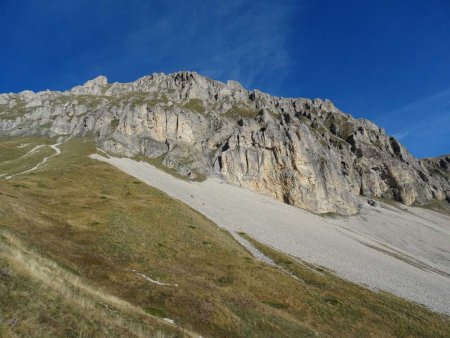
(225,147)
(328,156)
(423,177)
(443,163)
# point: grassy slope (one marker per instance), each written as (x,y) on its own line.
(41,299)
(101,224)
(349,301)
(13,159)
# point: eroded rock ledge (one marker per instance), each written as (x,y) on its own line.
(304,152)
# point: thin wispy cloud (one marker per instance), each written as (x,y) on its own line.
(233,39)
(400,136)
(439,99)
(224,40)
(350,51)
(424,122)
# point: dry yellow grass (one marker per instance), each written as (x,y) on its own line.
(106,227)
(97,313)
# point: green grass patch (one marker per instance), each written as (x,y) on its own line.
(390,202)
(241,111)
(436,205)
(155,312)
(276,305)
(195,105)
(158,163)
(225,280)
(114,124)
(332,215)
(18,109)
(136,99)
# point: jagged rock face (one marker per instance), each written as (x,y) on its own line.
(304,152)
(439,170)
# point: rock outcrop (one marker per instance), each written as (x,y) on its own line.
(304,152)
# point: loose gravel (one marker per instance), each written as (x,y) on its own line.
(402,250)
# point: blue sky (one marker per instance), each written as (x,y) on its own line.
(386,60)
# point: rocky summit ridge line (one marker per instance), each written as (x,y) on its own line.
(304,152)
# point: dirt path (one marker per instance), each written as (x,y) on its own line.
(41,163)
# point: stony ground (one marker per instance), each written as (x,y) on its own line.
(403,250)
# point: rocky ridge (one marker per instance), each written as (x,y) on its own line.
(304,152)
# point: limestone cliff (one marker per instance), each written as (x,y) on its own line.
(304,152)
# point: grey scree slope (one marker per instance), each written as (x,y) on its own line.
(405,252)
(304,152)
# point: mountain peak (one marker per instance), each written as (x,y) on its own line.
(91,87)
(302,151)
(100,80)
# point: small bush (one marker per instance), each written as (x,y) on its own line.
(114,124)
(225,280)
(276,305)
(155,312)
(331,300)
